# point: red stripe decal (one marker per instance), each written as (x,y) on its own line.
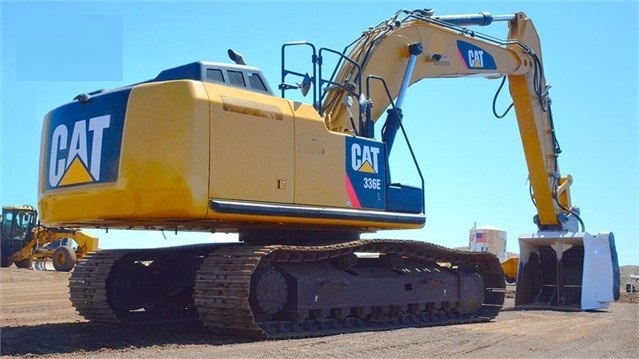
(352,196)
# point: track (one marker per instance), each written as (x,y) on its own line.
(224,285)
(87,285)
(137,286)
(240,289)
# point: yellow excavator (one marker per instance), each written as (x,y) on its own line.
(209,147)
(24,241)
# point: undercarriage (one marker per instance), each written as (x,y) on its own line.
(287,291)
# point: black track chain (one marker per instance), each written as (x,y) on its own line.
(87,285)
(222,288)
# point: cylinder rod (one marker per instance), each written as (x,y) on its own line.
(481,19)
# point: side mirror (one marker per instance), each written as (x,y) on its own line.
(305,86)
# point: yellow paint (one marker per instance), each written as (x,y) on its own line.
(163,165)
(251,145)
(186,143)
(367,167)
(510,267)
(77,173)
(388,58)
(320,160)
(530,128)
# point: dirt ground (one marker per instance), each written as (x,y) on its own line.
(37,320)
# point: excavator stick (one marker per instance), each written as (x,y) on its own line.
(567,271)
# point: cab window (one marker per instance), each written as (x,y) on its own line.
(236,78)
(256,81)
(6,223)
(214,75)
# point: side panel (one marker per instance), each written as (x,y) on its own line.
(101,164)
(319,160)
(334,169)
(251,151)
(597,290)
(165,168)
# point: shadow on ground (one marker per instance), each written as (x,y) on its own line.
(77,337)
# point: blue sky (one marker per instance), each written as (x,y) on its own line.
(472,162)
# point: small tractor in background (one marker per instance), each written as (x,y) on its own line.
(24,240)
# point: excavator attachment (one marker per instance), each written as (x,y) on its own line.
(567,271)
(510,269)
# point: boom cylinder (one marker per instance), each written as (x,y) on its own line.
(394,117)
(481,19)
(415,49)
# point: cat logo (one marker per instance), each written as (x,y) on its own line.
(75,152)
(474,57)
(365,182)
(364,158)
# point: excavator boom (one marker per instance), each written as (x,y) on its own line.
(449,51)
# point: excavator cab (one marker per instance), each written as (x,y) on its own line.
(17,230)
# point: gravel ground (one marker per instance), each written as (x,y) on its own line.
(38,321)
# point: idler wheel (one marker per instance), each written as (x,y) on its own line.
(271,291)
(348,261)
